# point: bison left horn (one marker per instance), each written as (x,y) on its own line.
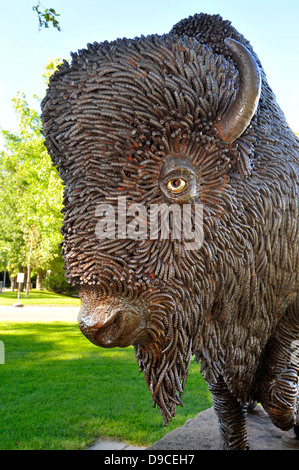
(240,112)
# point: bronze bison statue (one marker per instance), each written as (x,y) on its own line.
(183,119)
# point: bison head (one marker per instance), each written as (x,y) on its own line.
(139,124)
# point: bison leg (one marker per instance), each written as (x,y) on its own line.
(278,381)
(232,417)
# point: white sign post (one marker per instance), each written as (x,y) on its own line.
(20,278)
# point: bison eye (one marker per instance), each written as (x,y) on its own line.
(176,185)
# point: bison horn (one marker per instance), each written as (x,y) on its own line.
(239,113)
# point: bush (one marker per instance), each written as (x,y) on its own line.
(55,282)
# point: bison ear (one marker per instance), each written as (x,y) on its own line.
(240,112)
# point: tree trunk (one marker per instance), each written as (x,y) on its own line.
(39,279)
(28,280)
(13,283)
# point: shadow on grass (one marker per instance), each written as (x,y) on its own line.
(59,391)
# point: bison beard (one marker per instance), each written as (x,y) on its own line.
(166,320)
(166,363)
(119,121)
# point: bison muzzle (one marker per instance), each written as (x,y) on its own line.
(114,322)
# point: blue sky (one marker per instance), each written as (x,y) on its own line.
(271,26)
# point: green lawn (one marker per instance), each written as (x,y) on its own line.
(59,391)
(37,297)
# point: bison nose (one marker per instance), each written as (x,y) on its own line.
(111,324)
(99,319)
(95,323)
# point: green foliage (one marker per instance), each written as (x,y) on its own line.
(30,195)
(56,282)
(46,17)
(50,68)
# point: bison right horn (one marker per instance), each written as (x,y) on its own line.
(240,112)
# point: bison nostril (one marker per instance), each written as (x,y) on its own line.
(108,319)
(101,318)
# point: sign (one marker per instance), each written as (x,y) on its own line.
(20,278)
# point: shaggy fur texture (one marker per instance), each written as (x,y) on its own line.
(111,119)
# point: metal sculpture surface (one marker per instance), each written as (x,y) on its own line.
(184,118)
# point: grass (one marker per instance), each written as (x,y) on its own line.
(37,297)
(59,391)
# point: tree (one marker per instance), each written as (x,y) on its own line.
(30,195)
(46,17)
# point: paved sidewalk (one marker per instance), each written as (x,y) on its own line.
(112,445)
(36,313)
